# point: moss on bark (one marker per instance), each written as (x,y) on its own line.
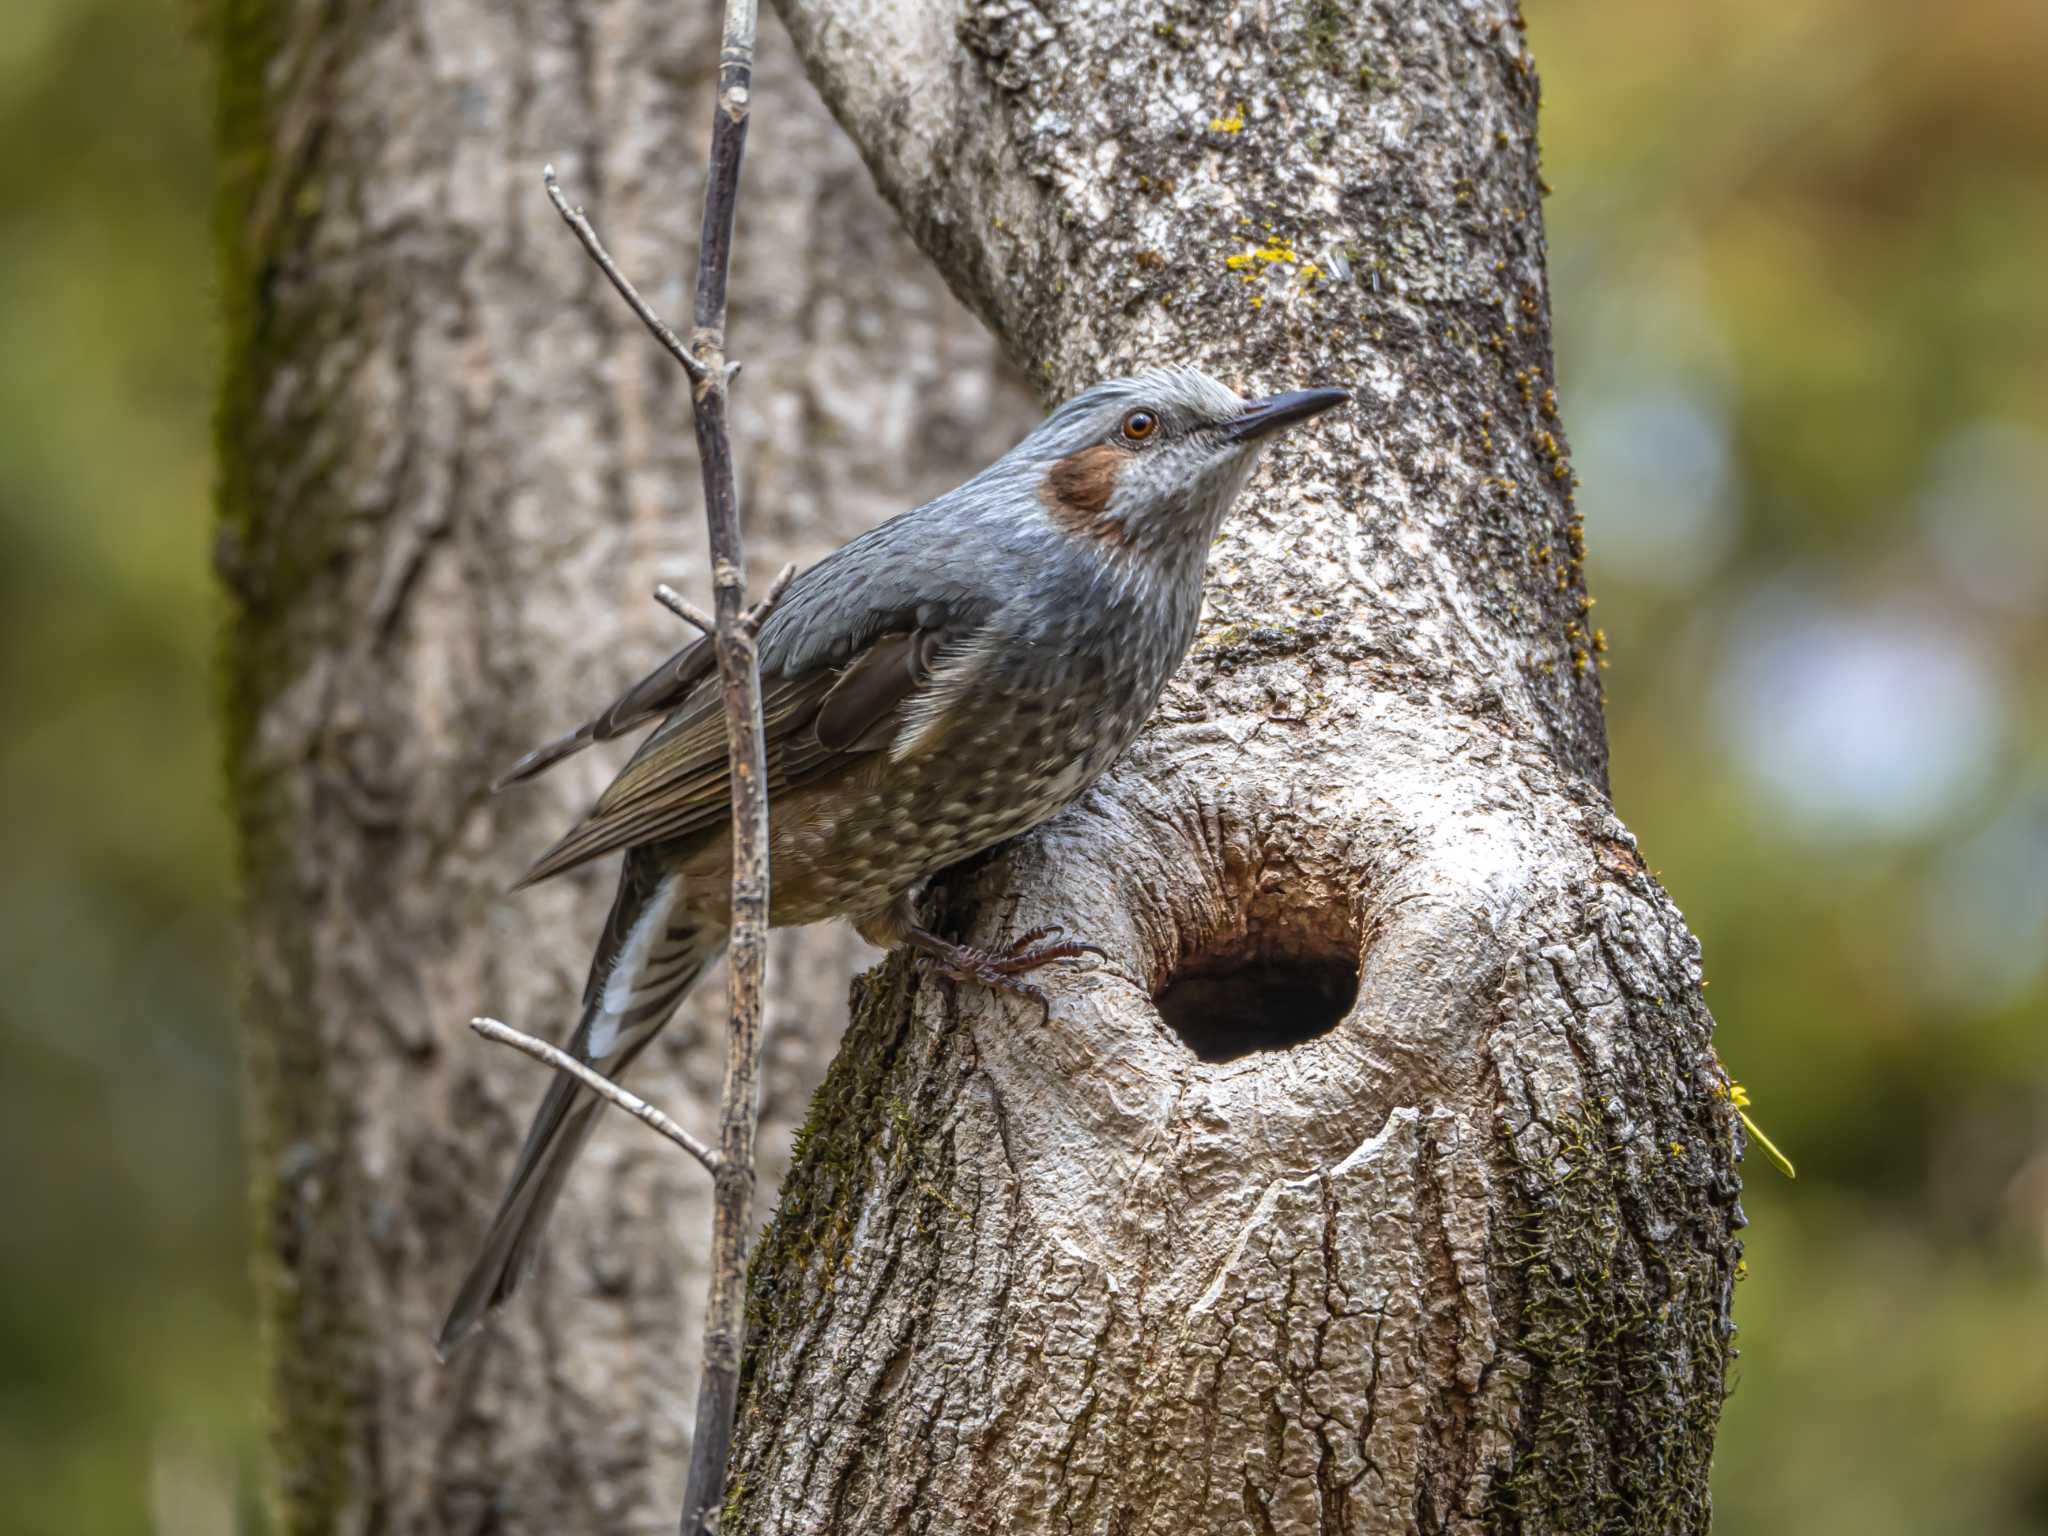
(267,551)
(1628,1364)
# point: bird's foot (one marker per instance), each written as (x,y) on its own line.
(1004,970)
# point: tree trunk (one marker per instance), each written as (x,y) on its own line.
(1383,1178)
(453,468)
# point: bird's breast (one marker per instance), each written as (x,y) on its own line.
(1040,721)
(1014,752)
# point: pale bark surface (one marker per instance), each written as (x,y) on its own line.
(453,470)
(1464,1260)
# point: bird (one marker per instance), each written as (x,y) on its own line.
(944,682)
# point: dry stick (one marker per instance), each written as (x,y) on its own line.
(733,634)
(599,1084)
(739,669)
(594,247)
(751,620)
(757,615)
(685,610)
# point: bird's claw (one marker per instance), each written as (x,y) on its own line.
(1042,946)
(1003,970)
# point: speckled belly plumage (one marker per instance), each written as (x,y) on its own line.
(995,767)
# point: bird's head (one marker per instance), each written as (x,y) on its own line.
(1153,462)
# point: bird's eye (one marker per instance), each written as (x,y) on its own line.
(1139,425)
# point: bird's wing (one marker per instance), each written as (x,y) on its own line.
(915,571)
(661,690)
(816,721)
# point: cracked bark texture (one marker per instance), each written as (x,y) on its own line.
(1464,1260)
(453,468)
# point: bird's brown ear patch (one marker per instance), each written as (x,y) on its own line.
(1078,489)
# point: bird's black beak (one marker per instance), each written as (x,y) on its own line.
(1277,411)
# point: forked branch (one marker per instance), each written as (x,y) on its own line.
(739,669)
(573,216)
(733,628)
(752,619)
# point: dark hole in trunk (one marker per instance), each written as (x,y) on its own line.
(1262,1004)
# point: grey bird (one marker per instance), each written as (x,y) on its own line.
(945,682)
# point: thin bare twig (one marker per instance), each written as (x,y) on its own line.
(574,218)
(599,1084)
(757,615)
(733,631)
(732,1214)
(684,609)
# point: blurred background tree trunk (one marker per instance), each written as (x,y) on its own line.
(1383,1177)
(452,469)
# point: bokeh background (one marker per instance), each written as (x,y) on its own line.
(1800,278)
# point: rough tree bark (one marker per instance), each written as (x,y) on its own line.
(453,469)
(1435,1230)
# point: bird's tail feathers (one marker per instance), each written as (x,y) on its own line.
(650,957)
(541,759)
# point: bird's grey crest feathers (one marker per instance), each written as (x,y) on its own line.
(1186,395)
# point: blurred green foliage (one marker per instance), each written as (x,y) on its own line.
(1798,250)
(1798,254)
(128,1389)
